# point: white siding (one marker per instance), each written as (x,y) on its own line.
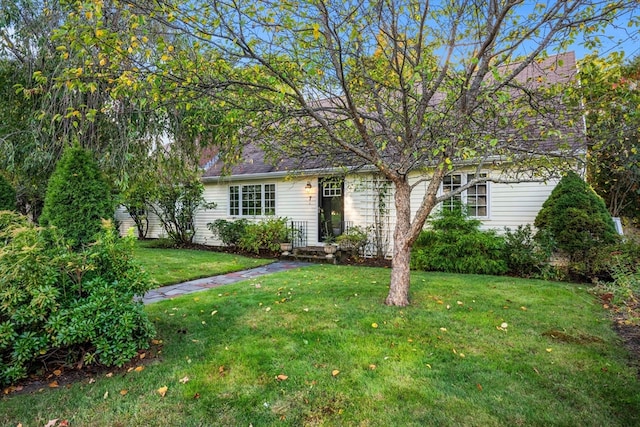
(510,205)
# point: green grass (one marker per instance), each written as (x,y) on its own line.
(443,361)
(170,266)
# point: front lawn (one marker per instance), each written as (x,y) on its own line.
(170,266)
(316,346)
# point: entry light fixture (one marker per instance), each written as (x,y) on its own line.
(308,190)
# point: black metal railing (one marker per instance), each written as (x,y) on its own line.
(298,232)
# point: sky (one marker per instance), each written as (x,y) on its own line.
(617,37)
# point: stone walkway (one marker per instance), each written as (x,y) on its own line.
(171,291)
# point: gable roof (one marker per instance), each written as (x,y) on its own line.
(552,70)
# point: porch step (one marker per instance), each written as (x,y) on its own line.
(314,254)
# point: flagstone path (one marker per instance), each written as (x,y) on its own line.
(171,291)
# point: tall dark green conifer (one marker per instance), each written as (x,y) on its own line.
(576,218)
(78,197)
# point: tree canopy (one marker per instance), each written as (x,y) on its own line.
(611,96)
(416,90)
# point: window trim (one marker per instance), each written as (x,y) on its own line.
(235,206)
(464,196)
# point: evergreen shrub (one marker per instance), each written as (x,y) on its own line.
(78,197)
(576,219)
(77,307)
(454,243)
(525,256)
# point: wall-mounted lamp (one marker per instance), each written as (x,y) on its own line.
(308,189)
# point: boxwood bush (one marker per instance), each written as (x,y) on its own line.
(59,304)
(455,244)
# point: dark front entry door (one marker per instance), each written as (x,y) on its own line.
(330,208)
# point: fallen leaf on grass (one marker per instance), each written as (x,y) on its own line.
(106,394)
(124,392)
(162,391)
(184,380)
(335,373)
(64,423)
(139,368)
(282,377)
(479,386)
(372,367)
(57,372)
(374,325)
(109,375)
(51,423)
(549,350)
(53,384)
(156,342)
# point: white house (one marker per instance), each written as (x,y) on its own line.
(325,202)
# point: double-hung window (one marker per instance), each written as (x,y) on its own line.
(252,200)
(475,198)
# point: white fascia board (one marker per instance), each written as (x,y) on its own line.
(283,174)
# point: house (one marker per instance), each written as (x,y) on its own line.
(325,202)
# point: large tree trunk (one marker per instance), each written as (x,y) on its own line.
(400,274)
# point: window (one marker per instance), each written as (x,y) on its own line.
(476,198)
(252,200)
(331,189)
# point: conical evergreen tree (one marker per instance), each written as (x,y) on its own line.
(77,197)
(576,218)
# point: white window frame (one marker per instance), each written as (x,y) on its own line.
(460,179)
(239,198)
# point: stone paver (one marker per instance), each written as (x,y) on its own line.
(171,291)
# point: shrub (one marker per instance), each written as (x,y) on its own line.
(78,197)
(266,235)
(456,244)
(354,239)
(230,232)
(74,306)
(7,196)
(577,220)
(525,256)
(176,205)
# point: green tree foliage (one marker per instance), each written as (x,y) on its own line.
(610,91)
(576,219)
(7,195)
(78,197)
(73,306)
(178,196)
(393,84)
(454,243)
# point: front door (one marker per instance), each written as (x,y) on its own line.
(330,208)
